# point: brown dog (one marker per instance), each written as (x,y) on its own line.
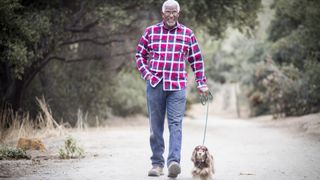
(203,163)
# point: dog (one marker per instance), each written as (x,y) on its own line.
(203,163)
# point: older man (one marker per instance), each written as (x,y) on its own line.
(161,58)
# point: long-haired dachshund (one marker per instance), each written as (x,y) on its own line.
(203,163)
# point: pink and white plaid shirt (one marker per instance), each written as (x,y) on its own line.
(162,54)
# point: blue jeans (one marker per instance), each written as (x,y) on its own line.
(159,103)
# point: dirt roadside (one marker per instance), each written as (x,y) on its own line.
(243,149)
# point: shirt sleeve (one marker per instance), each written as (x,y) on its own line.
(196,62)
(142,54)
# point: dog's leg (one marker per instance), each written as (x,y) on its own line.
(205,174)
(196,173)
(205,178)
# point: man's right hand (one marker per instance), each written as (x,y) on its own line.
(148,78)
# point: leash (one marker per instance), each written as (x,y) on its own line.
(205,100)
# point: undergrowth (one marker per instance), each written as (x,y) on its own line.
(70,149)
(12,153)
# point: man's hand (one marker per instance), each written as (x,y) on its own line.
(148,78)
(203,91)
(205,95)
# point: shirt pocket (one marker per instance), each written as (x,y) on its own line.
(181,44)
(181,47)
(155,43)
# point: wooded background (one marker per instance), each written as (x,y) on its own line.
(79,55)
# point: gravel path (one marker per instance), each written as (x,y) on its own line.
(242,149)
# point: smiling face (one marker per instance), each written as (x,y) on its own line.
(170,15)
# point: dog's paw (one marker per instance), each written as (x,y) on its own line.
(204,172)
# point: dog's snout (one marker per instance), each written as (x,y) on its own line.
(200,153)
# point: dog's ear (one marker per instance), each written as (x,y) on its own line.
(208,157)
(193,157)
(212,168)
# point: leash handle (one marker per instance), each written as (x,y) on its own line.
(204,99)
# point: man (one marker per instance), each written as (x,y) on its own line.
(161,58)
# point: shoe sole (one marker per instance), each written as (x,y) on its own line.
(155,174)
(174,170)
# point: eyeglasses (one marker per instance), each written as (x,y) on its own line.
(168,13)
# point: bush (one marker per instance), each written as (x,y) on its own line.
(12,153)
(285,91)
(128,95)
(70,149)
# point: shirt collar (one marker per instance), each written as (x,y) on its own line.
(178,25)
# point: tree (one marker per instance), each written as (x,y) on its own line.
(35,33)
(295,37)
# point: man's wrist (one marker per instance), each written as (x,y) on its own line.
(203,88)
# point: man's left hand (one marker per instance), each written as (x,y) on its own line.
(203,91)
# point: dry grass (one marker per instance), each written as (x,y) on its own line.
(82,121)
(22,125)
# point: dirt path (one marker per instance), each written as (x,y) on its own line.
(242,149)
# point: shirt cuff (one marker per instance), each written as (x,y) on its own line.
(201,84)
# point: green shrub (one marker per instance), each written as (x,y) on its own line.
(128,95)
(12,153)
(70,149)
(285,90)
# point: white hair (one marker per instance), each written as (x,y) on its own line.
(170,2)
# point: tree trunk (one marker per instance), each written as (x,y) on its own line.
(11,87)
(13,93)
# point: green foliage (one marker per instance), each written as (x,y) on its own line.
(295,32)
(216,16)
(23,31)
(281,75)
(296,46)
(12,153)
(70,149)
(128,95)
(285,90)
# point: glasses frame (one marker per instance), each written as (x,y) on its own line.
(168,13)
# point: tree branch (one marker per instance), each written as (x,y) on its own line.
(84,28)
(93,58)
(75,60)
(94,41)
(78,15)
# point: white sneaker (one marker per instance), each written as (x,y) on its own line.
(156,171)
(174,169)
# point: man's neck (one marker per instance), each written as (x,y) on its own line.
(170,27)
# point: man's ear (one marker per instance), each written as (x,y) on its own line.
(162,14)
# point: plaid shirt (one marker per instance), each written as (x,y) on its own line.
(162,54)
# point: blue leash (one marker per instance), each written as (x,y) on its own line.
(205,100)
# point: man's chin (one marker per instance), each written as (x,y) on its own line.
(171,24)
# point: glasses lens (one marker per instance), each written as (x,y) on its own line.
(168,13)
